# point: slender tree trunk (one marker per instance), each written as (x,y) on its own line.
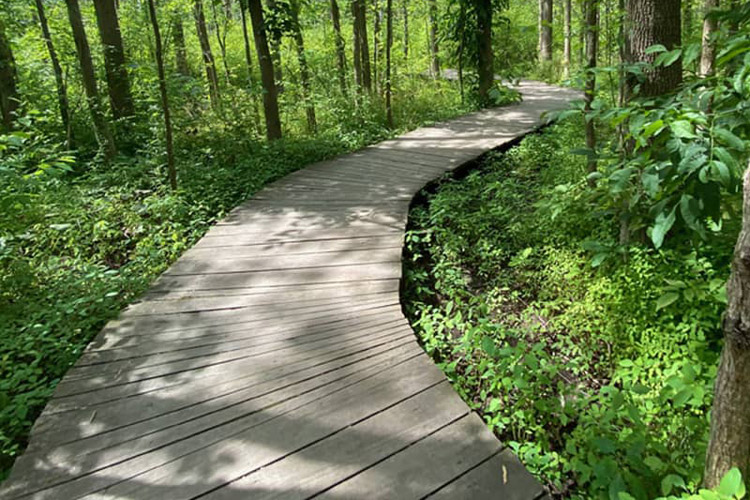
(708,52)
(486,67)
(249,62)
(171,171)
(434,56)
(592,42)
(9,98)
(405,14)
(567,44)
(299,42)
(729,443)
(221,39)
(388,49)
(461,49)
(180,51)
(545,41)
(276,36)
(376,50)
(118,83)
(357,46)
(101,126)
(364,47)
(652,22)
(62,90)
(340,48)
(270,95)
(228,9)
(208,56)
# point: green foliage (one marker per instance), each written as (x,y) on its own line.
(599,378)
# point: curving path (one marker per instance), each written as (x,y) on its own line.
(273,360)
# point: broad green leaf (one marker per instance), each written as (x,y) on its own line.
(666,300)
(669,482)
(730,139)
(731,483)
(682,129)
(663,224)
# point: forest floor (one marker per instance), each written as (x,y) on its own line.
(597,371)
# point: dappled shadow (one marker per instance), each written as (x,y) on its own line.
(273,360)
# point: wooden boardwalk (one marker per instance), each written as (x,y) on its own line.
(273,360)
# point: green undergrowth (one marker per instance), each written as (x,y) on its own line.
(597,374)
(79,240)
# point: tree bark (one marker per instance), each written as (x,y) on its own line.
(180,51)
(592,48)
(101,126)
(357,46)
(9,99)
(118,83)
(545,40)
(729,442)
(276,36)
(651,22)
(208,57)
(62,89)
(270,94)
(708,49)
(376,49)
(567,41)
(486,68)
(434,49)
(364,47)
(340,48)
(304,70)
(171,171)
(388,49)
(249,63)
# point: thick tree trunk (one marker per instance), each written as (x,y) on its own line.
(101,126)
(545,40)
(180,50)
(364,47)
(275,36)
(708,52)
(729,443)
(208,56)
(592,47)
(9,98)
(340,48)
(388,49)
(249,63)
(304,70)
(118,83)
(652,22)
(62,89)
(405,14)
(171,171)
(434,49)
(486,67)
(567,41)
(270,94)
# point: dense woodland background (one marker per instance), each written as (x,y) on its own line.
(572,290)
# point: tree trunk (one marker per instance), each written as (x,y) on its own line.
(101,126)
(364,46)
(171,171)
(221,39)
(708,51)
(376,50)
(304,70)
(340,48)
(180,51)
(118,83)
(729,443)
(9,98)
(276,36)
(486,68)
(249,62)
(435,59)
(270,94)
(592,43)
(652,22)
(388,49)
(357,46)
(62,90)
(208,57)
(405,13)
(567,44)
(545,40)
